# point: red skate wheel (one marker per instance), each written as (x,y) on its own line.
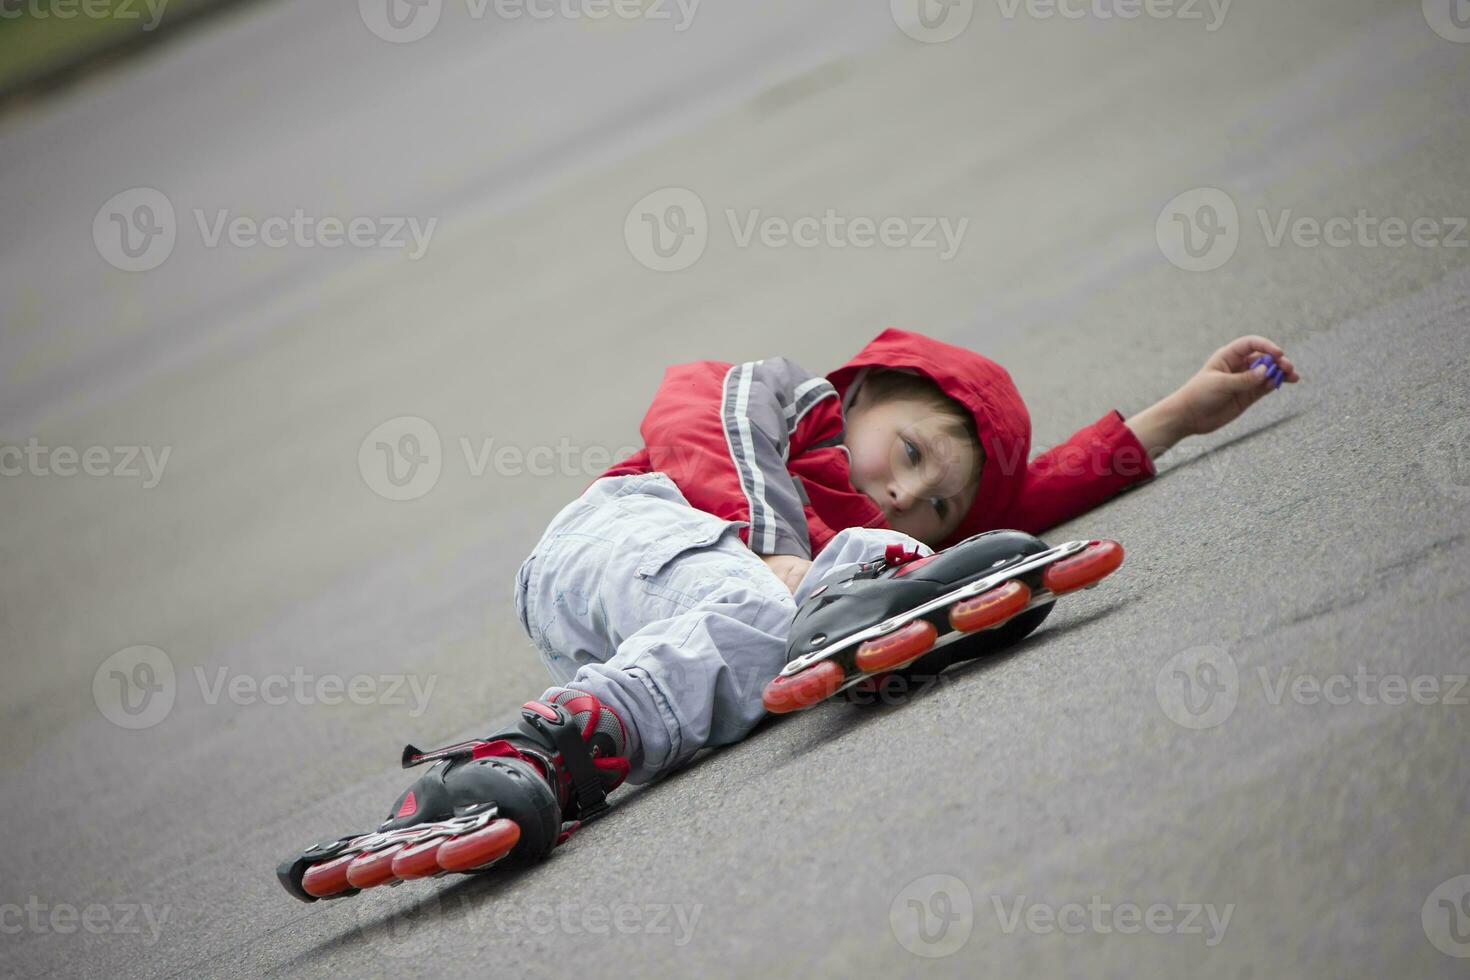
(479,848)
(887,652)
(817,683)
(373,867)
(990,608)
(417,860)
(327,878)
(1093,564)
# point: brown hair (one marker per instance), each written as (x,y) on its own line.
(883,384)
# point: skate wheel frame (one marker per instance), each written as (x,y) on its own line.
(986,603)
(1030,564)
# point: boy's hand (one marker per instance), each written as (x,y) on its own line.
(790,569)
(1219,393)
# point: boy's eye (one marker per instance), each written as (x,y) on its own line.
(940,507)
(908,447)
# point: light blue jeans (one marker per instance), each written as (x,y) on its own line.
(663,613)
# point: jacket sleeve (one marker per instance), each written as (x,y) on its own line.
(1096,463)
(723,433)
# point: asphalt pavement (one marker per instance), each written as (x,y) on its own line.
(237,267)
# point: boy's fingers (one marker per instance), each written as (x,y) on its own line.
(1258,377)
(1238,354)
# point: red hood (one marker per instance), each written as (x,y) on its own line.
(982,386)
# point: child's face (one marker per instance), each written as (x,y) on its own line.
(914,465)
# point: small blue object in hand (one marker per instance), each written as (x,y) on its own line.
(1273,370)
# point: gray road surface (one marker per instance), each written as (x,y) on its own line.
(1262,717)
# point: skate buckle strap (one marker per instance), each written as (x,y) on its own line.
(555,722)
(413,756)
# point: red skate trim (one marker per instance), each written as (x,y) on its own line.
(499,748)
(618,765)
(910,566)
(409,808)
(543,710)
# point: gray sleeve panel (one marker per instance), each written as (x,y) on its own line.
(763,403)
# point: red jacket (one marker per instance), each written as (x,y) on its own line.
(761,442)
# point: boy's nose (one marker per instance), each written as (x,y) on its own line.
(901,500)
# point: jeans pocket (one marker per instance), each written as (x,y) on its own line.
(700,531)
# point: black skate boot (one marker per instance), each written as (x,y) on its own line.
(988,590)
(511,797)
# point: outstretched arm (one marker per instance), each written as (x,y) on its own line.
(1219,393)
